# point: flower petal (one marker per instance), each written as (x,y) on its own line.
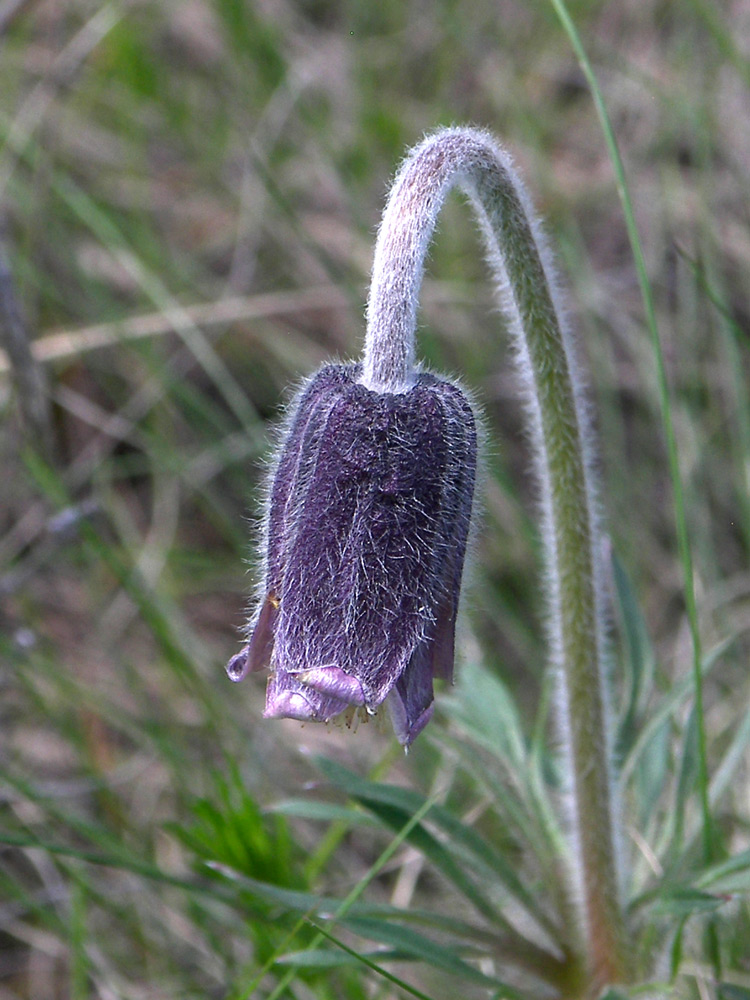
(410,701)
(366,533)
(364,575)
(257,653)
(289,698)
(335,683)
(302,439)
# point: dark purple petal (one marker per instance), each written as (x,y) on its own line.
(406,730)
(410,701)
(458,494)
(301,442)
(366,534)
(257,653)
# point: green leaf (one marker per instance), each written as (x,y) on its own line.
(640,660)
(231,829)
(524,823)
(302,902)
(734,756)
(652,771)
(488,714)
(317,958)
(677,693)
(346,905)
(290,899)
(393,805)
(365,960)
(687,773)
(324,811)
(732,875)
(414,945)
(684,902)
(122,861)
(721,779)
(675,952)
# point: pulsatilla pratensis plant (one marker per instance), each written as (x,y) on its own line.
(371,499)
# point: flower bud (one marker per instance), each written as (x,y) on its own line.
(366,532)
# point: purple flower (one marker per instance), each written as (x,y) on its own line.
(366,533)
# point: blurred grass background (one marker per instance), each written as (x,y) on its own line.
(188,196)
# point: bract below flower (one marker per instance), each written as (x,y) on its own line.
(366,532)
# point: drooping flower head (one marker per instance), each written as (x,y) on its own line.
(370,506)
(366,533)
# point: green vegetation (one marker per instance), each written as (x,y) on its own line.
(189,193)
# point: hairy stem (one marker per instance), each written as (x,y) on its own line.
(561,443)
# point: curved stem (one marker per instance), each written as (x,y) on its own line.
(561,444)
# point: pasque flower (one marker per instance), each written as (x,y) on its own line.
(366,532)
(370,507)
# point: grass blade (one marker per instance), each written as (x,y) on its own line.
(709,833)
(391,804)
(410,990)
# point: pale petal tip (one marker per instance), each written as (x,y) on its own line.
(335,683)
(288,705)
(238,666)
